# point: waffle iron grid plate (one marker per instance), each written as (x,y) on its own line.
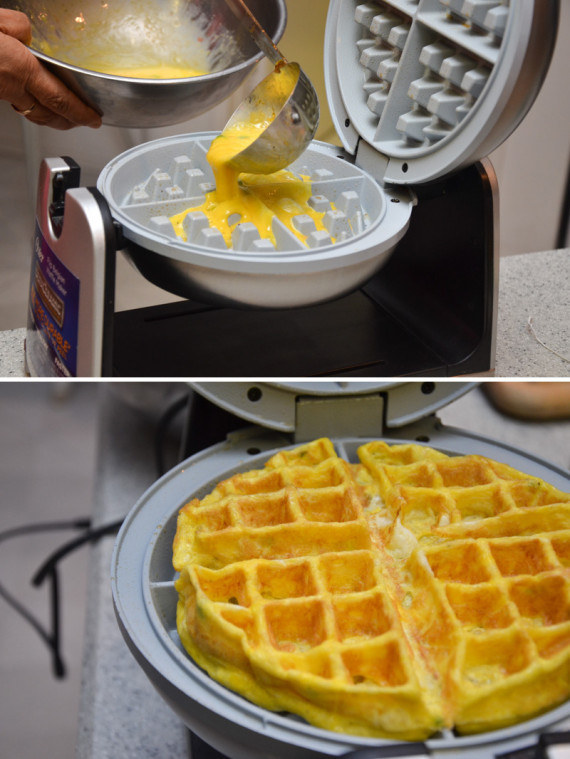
(150,183)
(145,605)
(442,82)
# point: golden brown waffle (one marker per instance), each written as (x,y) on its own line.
(408,593)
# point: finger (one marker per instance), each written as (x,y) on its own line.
(24,81)
(40,115)
(24,111)
(15,24)
(51,93)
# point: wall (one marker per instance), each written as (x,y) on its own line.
(533,164)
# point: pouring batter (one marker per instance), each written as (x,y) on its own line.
(257,198)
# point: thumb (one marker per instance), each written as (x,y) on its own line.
(15,24)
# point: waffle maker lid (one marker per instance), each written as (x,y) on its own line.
(420,88)
(145,598)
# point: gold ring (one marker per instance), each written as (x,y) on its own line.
(26,111)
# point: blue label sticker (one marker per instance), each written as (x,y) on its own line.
(53,322)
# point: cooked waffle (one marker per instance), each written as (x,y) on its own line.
(395,597)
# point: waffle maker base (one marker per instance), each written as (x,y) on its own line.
(430,310)
(145,603)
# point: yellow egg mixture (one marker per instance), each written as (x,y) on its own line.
(126,42)
(255,198)
(108,62)
(152,71)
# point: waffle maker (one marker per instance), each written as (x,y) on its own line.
(420,91)
(261,419)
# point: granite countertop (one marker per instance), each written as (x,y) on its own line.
(534,288)
(121,715)
(12,353)
(533,335)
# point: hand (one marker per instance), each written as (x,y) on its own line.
(31,89)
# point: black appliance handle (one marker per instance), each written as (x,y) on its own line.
(541,749)
(393,750)
(549,742)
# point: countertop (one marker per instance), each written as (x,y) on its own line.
(533,325)
(533,333)
(121,715)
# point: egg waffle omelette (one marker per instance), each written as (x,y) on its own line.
(408,593)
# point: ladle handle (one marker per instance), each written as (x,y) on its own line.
(263,40)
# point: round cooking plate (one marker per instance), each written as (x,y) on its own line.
(152,182)
(145,604)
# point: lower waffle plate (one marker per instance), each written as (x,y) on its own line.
(150,183)
(145,603)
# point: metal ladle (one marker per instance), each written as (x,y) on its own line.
(293,116)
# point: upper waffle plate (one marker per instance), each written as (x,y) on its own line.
(434,84)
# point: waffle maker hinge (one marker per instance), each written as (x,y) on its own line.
(316,417)
(394,412)
(358,415)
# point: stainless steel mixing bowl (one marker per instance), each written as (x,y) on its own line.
(163,26)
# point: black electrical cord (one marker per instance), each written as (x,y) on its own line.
(49,570)
(91,536)
(12,601)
